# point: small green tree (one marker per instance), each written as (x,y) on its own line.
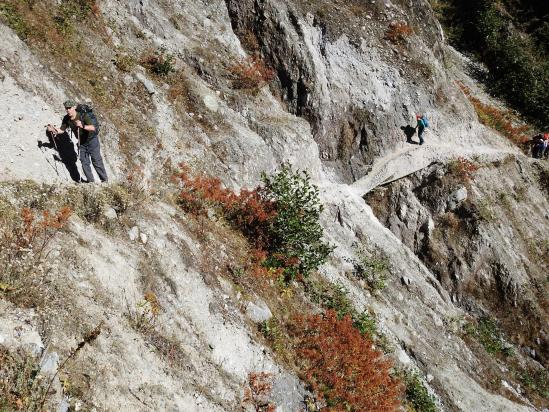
(295,234)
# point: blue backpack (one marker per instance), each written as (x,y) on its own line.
(425,120)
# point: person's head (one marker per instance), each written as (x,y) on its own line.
(70,108)
(418,116)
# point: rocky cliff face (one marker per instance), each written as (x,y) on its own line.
(464,248)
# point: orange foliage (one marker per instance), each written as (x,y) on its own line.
(258,393)
(463,169)
(398,30)
(248,211)
(342,366)
(32,235)
(497,119)
(251,73)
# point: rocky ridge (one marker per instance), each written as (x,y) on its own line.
(341,93)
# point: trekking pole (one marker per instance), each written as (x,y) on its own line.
(53,138)
(53,166)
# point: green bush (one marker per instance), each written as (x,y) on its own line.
(487,333)
(417,396)
(160,63)
(295,234)
(71,13)
(334,296)
(373,268)
(536,380)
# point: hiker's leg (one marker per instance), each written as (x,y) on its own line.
(420,134)
(97,160)
(85,160)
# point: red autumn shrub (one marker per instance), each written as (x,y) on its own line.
(249,211)
(398,31)
(498,119)
(463,169)
(258,392)
(35,234)
(342,366)
(24,248)
(251,73)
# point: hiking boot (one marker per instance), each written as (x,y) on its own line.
(420,143)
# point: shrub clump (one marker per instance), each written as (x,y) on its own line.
(373,268)
(71,12)
(342,367)
(334,296)
(417,396)
(160,63)
(258,392)
(295,234)
(503,121)
(280,218)
(462,169)
(21,386)
(24,247)
(487,333)
(509,37)
(251,73)
(398,31)
(10,14)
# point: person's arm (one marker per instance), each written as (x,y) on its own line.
(56,130)
(87,125)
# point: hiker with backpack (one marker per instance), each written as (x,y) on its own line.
(538,146)
(422,123)
(82,122)
(545,153)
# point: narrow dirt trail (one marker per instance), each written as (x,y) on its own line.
(411,158)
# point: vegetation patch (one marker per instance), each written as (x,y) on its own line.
(488,334)
(373,268)
(159,63)
(510,37)
(24,249)
(21,386)
(144,320)
(258,392)
(503,121)
(398,31)
(251,73)
(418,397)
(342,367)
(462,169)
(10,15)
(280,219)
(536,381)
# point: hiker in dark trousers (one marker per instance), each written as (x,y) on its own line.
(420,127)
(83,128)
(538,146)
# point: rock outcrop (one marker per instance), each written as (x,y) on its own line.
(343,87)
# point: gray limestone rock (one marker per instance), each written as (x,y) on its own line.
(456,197)
(258,311)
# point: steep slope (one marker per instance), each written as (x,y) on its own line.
(344,83)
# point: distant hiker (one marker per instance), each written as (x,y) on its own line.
(84,126)
(545,153)
(538,146)
(421,125)
(65,152)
